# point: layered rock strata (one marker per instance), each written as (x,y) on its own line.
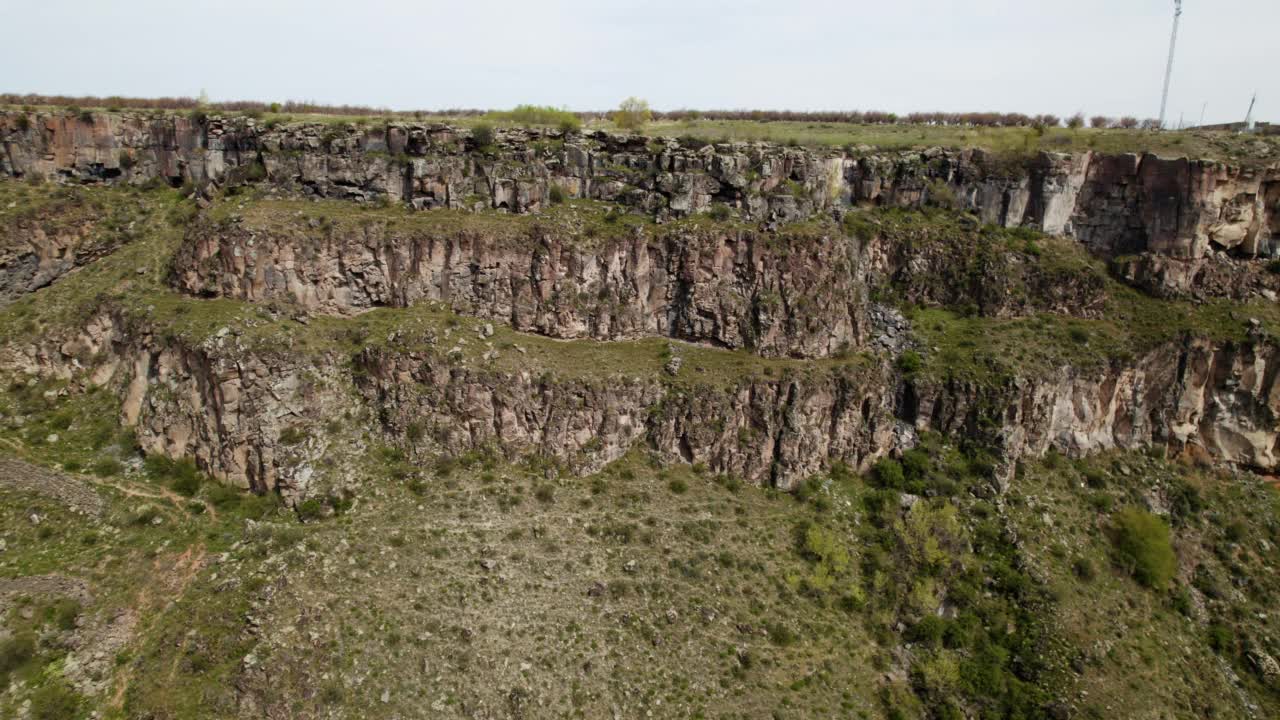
(1115,203)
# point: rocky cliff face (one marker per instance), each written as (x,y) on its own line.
(798,291)
(260,418)
(1116,204)
(40,242)
(729,287)
(791,274)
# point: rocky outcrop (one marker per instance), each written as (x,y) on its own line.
(1116,204)
(261,418)
(252,419)
(797,291)
(1210,400)
(37,247)
(1213,275)
(790,294)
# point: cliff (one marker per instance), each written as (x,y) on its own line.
(1116,204)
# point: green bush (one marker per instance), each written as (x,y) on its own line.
(556,195)
(916,464)
(482,135)
(310,509)
(719,212)
(182,475)
(632,114)
(565,120)
(54,701)
(62,613)
(678,486)
(1274,266)
(15,652)
(940,195)
(107,467)
(292,435)
(1222,638)
(1143,547)
(910,362)
(888,474)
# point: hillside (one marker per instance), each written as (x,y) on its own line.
(385,419)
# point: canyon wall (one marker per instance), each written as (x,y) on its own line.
(1117,204)
(262,418)
(798,292)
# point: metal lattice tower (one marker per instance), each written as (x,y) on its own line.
(1168,70)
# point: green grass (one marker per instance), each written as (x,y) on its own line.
(993,349)
(1011,141)
(1008,141)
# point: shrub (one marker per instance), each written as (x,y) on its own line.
(888,473)
(556,195)
(1144,547)
(1128,122)
(310,509)
(62,613)
(678,486)
(539,115)
(916,464)
(24,123)
(1083,569)
(16,651)
(107,467)
(545,494)
(1078,335)
(1075,122)
(940,195)
(719,212)
(928,631)
(1100,122)
(415,431)
(222,496)
(482,135)
(910,362)
(632,114)
(187,484)
(292,435)
(145,514)
(55,700)
(1222,638)
(1274,266)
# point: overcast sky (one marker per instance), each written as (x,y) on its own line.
(1098,56)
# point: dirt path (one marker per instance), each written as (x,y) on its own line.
(158,493)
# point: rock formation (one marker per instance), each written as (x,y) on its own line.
(1119,204)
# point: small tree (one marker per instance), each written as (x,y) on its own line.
(1128,122)
(1100,121)
(632,114)
(1144,548)
(1075,122)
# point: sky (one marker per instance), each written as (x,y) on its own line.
(1096,56)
